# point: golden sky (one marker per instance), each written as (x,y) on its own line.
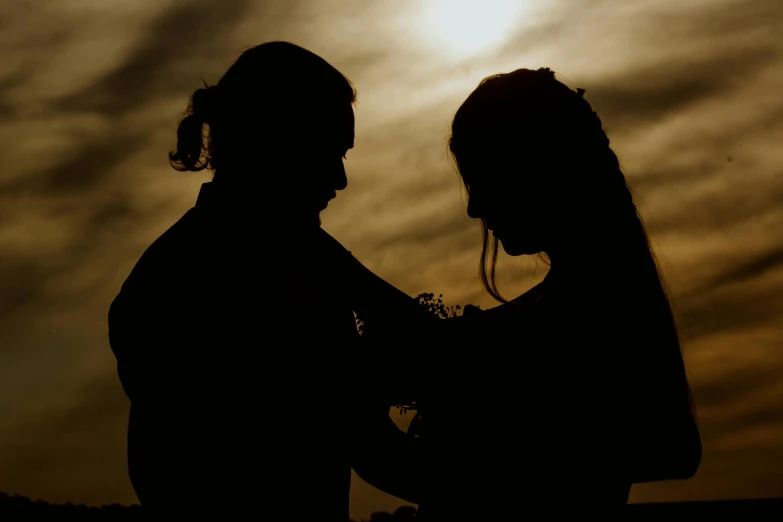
(90,93)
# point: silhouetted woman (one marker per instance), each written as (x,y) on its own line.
(552,404)
(231,333)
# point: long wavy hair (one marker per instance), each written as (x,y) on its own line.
(532,110)
(579,181)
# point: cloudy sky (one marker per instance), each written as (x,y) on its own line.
(690,93)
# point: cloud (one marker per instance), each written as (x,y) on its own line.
(731,309)
(655,91)
(751,269)
(186,32)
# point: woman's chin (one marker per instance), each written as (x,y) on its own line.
(514,249)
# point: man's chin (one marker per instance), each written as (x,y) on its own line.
(323,202)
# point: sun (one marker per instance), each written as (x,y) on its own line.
(465,28)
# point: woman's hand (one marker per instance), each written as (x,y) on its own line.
(471,311)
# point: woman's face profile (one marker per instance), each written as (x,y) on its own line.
(505,195)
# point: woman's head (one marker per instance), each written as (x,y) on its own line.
(280,118)
(538,169)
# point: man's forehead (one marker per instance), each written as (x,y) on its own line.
(336,128)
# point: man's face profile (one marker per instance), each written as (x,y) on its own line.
(323,170)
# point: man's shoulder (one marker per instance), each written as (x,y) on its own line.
(157,270)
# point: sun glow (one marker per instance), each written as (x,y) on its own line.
(469,27)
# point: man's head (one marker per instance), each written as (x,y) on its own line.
(279,123)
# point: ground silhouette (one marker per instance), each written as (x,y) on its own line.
(749,510)
(19,507)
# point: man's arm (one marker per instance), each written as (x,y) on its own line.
(372,298)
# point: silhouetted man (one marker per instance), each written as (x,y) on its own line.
(234,334)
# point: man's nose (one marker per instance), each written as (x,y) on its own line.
(340,180)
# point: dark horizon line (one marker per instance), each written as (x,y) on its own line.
(681,503)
